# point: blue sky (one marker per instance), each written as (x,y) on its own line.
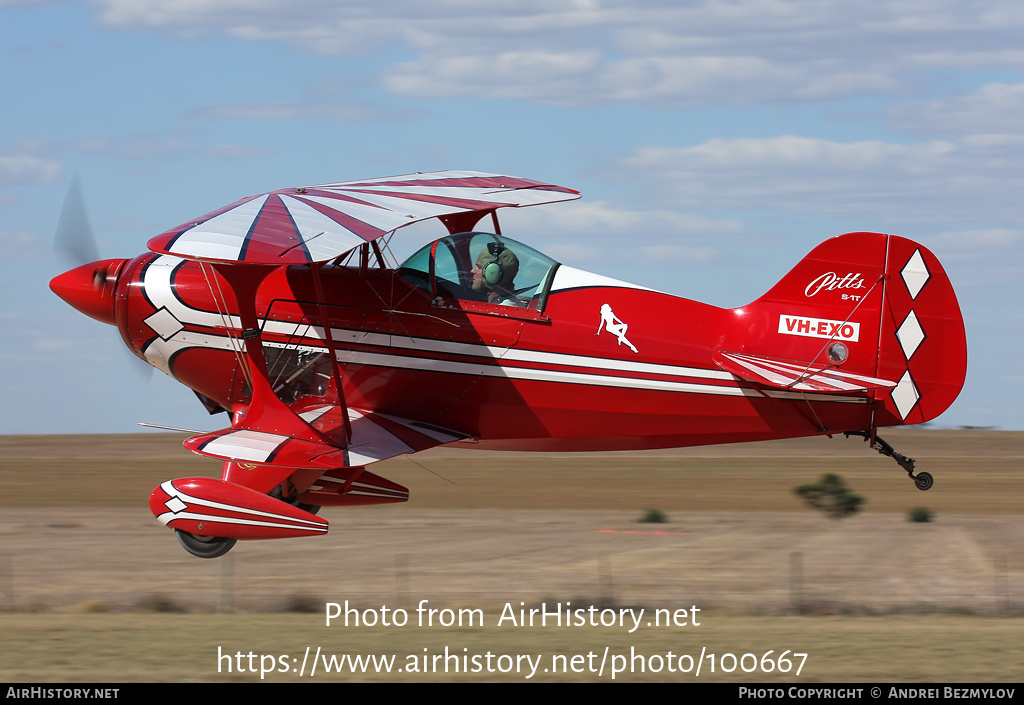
(715,143)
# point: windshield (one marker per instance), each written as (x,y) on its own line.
(482,267)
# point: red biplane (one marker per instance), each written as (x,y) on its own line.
(280,310)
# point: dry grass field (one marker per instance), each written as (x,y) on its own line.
(88,579)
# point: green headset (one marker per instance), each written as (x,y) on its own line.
(493,272)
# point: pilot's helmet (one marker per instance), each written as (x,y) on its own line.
(498,264)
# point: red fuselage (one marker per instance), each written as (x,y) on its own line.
(511,378)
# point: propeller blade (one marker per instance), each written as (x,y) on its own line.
(74,238)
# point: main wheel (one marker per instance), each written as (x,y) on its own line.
(924,481)
(204,546)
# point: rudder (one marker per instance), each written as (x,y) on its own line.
(888,301)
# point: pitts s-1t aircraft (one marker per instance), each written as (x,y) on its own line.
(280,310)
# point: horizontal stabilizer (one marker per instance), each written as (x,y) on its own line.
(797,376)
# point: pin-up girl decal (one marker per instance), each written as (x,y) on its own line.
(614,326)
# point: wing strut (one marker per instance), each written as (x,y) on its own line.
(329,339)
(265,410)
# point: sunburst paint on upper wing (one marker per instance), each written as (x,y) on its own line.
(319,223)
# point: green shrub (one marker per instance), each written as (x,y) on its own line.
(303,603)
(831,496)
(160,604)
(920,515)
(653,516)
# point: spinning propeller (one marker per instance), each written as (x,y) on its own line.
(74,238)
(92,285)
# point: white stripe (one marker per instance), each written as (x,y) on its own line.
(158,287)
(467,368)
(222,236)
(323,236)
(571,278)
(252,446)
(159,351)
(157,282)
(161,296)
(404,208)
(388,360)
(492,352)
(474,193)
(795,373)
(496,195)
(361,486)
(380,218)
(764,372)
(824,376)
(313,414)
(370,442)
(169,517)
(169,489)
(425,177)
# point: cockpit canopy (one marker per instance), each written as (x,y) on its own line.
(444,268)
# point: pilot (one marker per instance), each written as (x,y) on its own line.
(494,275)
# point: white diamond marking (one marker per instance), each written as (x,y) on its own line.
(910,335)
(905,395)
(164,324)
(175,505)
(915,274)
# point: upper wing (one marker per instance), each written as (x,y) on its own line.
(319,223)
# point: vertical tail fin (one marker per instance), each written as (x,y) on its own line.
(872,306)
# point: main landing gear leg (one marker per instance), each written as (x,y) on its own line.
(922,480)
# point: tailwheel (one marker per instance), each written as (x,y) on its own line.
(204,546)
(922,480)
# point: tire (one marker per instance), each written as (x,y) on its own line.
(924,481)
(204,546)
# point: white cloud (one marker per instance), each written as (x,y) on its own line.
(602,218)
(990,237)
(677,253)
(598,232)
(513,74)
(995,108)
(144,147)
(19,245)
(586,78)
(352,112)
(28,169)
(50,345)
(925,181)
(998,248)
(585,53)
